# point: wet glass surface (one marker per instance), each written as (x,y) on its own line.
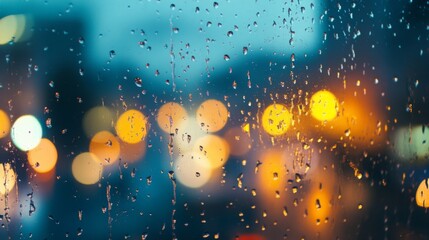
(250,120)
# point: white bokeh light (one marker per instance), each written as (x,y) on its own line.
(26,132)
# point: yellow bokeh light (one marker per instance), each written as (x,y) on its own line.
(106,147)
(276,119)
(87,168)
(214,148)
(131,126)
(8,29)
(189,170)
(170,116)
(44,157)
(246,128)
(7,178)
(422,194)
(97,119)
(212,115)
(4,124)
(324,105)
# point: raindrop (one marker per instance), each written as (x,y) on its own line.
(138,81)
(79,231)
(81,40)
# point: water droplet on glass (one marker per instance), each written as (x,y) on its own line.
(138,81)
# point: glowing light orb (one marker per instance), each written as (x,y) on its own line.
(4,124)
(26,132)
(96,120)
(420,137)
(214,148)
(187,134)
(11,28)
(87,168)
(276,119)
(131,126)
(411,143)
(170,116)
(106,147)
(189,170)
(324,105)
(212,115)
(7,178)
(422,194)
(239,140)
(43,158)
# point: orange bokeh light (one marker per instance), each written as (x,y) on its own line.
(106,147)
(214,148)
(4,124)
(131,126)
(44,157)
(170,116)
(212,115)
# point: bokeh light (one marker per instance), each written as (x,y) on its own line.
(239,141)
(358,122)
(43,158)
(131,126)
(271,174)
(187,134)
(7,178)
(324,105)
(276,119)
(212,115)
(26,132)
(403,144)
(214,148)
(420,141)
(4,124)
(411,142)
(97,119)
(11,27)
(189,170)
(106,147)
(170,116)
(319,206)
(87,168)
(422,194)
